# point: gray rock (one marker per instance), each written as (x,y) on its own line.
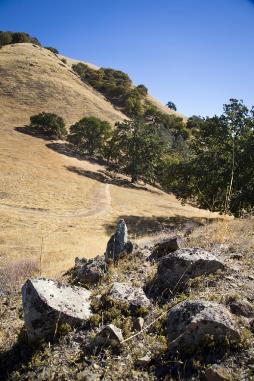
(47,304)
(192,321)
(175,269)
(143,361)
(124,293)
(242,307)
(87,375)
(138,323)
(89,271)
(110,335)
(217,373)
(118,243)
(164,247)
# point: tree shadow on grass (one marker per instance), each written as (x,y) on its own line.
(27,130)
(107,177)
(139,226)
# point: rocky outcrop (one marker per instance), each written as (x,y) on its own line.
(118,243)
(89,271)
(124,293)
(47,304)
(175,269)
(192,322)
(164,247)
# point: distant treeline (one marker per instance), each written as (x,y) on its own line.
(8,37)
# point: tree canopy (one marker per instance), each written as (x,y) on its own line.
(218,173)
(90,135)
(136,148)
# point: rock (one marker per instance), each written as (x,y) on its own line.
(237,256)
(89,271)
(118,243)
(217,373)
(47,304)
(242,307)
(87,375)
(143,361)
(252,325)
(177,268)
(110,335)
(191,322)
(138,323)
(124,293)
(164,247)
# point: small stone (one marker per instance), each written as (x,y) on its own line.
(143,361)
(164,247)
(133,297)
(138,323)
(87,375)
(110,335)
(236,256)
(217,373)
(242,308)
(89,271)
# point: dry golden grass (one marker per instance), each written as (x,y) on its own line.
(42,196)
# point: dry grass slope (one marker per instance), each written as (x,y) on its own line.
(54,206)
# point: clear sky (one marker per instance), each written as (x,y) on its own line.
(197,53)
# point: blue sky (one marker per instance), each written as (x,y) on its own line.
(197,53)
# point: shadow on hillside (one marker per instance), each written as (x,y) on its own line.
(27,130)
(141,226)
(68,149)
(108,178)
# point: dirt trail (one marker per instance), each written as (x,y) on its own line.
(101,205)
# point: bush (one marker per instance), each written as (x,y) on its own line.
(5,38)
(171,105)
(53,50)
(48,124)
(90,135)
(16,37)
(116,86)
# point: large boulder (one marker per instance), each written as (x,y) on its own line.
(118,243)
(125,294)
(47,304)
(89,271)
(176,268)
(191,323)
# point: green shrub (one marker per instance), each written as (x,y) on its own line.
(49,124)
(53,50)
(16,37)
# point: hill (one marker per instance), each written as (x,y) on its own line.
(55,207)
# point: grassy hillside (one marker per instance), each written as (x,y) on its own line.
(33,79)
(54,207)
